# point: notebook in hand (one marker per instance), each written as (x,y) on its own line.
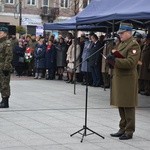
(117,54)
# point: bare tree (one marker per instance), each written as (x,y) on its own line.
(77,5)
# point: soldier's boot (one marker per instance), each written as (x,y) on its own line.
(4,103)
(36,76)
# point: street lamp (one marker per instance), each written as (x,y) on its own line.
(20,12)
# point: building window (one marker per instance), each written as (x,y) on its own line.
(9,1)
(31,2)
(45,2)
(64,3)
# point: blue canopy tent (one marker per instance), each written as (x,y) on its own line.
(101,12)
(106,10)
(67,24)
(70,24)
(95,9)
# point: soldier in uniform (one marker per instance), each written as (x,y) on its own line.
(5,66)
(124,90)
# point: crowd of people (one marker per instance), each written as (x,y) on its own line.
(52,58)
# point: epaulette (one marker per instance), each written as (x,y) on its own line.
(134,41)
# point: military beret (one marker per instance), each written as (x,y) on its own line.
(125,27)
(4,28)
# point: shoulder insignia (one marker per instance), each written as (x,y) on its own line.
(134,51)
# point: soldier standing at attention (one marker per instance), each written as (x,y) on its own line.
(124,92)
(5,66)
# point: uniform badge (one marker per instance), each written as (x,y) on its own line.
(134,51)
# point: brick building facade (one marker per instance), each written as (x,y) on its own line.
(36,12)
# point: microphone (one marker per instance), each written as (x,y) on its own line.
(109,39)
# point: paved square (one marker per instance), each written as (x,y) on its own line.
(43,114)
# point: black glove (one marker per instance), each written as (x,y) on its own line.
(110,59)
(6,72)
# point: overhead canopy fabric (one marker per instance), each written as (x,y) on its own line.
(70,24)
(94,8)
(106,10)
(99,11)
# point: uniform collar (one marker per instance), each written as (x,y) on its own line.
(128,40)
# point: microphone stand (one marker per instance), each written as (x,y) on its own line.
(85,128)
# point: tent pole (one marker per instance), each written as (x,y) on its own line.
(75,43)
(105,65)
(113,28)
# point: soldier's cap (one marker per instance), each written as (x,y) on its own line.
(4,28)
(125,27)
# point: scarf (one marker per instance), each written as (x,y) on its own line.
(48,48)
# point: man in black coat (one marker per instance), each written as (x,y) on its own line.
(95,61)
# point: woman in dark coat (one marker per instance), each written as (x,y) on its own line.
(50,60)
(85,68)
(61,49)
(18,58)
(39,56)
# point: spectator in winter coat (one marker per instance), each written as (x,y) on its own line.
(39,56)
(61,48)
(18,58)
(50,60)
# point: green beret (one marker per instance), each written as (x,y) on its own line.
(4,28)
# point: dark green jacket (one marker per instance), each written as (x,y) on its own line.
(6,54)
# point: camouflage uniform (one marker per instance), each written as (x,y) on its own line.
(5,68)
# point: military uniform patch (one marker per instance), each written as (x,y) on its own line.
(8,43)
(134,51)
